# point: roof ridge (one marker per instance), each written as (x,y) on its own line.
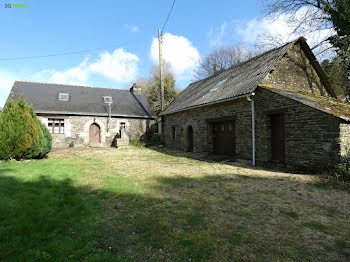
(45,83)
(246,61)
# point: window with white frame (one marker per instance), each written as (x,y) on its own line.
(108,99)
(55,126)
(63,96)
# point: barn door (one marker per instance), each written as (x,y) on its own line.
(224,140)
(95,134)
(277,137)
(190,139)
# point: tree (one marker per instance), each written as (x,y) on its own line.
(21,134)
(319,15)
(150,87)
(222,58)
(337,76)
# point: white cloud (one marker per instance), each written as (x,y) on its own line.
(75,76)
(119,66)
(216,35)
(6,82)
(179,52)
(275,31)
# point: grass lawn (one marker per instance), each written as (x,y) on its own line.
(139,204)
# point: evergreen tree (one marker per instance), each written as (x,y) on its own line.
(21,134)
(337,76)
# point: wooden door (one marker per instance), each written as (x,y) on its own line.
(277,137)
(95,134)
(190,139)
(224,140)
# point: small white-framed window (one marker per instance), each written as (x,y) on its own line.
(63,96)
(55,126)
(108,99)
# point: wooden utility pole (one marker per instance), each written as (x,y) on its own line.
(161,70)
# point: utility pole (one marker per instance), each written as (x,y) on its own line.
(161,70)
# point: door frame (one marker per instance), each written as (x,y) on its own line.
(233,123)
(99,133)
(281,126)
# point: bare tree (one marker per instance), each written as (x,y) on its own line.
(222,58)
(311,18)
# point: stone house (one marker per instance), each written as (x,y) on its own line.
(87,116)
(277,107)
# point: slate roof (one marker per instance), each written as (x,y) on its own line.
(241,79)
(325,104)
(83,100)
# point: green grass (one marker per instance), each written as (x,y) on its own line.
(144,204)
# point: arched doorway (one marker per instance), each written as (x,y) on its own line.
(190,139)
(95,134)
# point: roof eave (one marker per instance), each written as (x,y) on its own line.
(91,114)
(208,104)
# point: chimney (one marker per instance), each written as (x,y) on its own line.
(134,88)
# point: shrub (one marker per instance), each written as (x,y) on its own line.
(22,135)
(48,140)
(343,170)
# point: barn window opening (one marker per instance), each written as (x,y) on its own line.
(108,99)
(63,97)
(55,126)
(173,132)
(218,84)
(122,125)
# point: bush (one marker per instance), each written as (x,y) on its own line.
(343,171)
(22,135)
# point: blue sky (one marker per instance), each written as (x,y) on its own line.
(126,32)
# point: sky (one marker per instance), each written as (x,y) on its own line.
(117,41)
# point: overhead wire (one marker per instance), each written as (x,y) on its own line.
(171,9)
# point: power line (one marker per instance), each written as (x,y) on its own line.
(166,21)
(60,54)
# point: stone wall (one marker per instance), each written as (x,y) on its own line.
(294,72)
(312,138)
(77,129)
(344,138)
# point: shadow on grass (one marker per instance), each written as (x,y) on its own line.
(48,219)
(212,158)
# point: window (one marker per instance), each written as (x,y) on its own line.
(173,132)
(122,126)
(108,99)
(218,84)
(55,126)
(63,97)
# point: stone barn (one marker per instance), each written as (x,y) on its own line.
(277,107)
(87,116)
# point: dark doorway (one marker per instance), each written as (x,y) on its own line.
(95,133)
(277,137)
(189,139)
(224,138)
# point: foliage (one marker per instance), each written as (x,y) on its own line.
(222,58)
(337,77)
(155,140)
(320,15)
(151,89)
(21,133)
(342,173)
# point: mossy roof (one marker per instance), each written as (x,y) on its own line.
(328,105)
